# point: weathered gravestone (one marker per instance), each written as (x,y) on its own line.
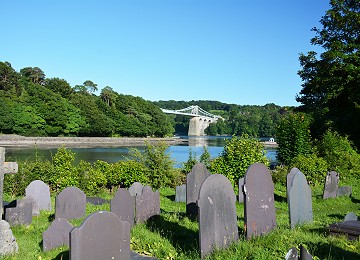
(350,228)
(194,179)
(70,203)
(102,235)
(241,190)
(5,167)
(96,200)
(259,204)
(147,204)
(289,179)
(344,191)
(331,185)
(19,212)
(123,205)
(8,245)
(180,193)
(135,189)
(57,234)
(39,193)
(300,201)
(351,216)
(293,254)
(217,214)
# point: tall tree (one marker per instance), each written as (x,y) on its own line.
(330,80)
(34,74)
(60,86)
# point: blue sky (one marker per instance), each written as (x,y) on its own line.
(234,51)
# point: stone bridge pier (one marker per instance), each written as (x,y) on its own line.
(198,125)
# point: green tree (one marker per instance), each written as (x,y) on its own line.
(34,74)
(60,86)
(9,78)
(331,79)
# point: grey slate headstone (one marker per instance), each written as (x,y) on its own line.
(136,189)
(292,254)
(351,216)
(217,214)
(180,193)
(331,185)
(70,203)
(19,212)
(8,245)
(123,205)
(57,234)
(194,179)
(300,201)
(289,179)
(39,193)
(304,254)
(102,235)
(96,201)
(344,191)
(147,204)
(241,190)
(259,207)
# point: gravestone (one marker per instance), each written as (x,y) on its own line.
(102,235)
(180,193)
(350,228)
(289,179)
(241,190)
(300,201)
(8,245)
(194,179)
(70,203)
(147,204)
(351,216)
(259,205)
(123,205)
(136,189)
(57,234)
(5,167)
(344,191)
(331,185)
(39,193)
(19,212)
(292,254)
(217,214)
(96,201)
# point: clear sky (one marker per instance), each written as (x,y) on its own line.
(234,51)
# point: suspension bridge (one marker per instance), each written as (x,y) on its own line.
(200,120)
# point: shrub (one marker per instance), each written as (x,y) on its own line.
(92,178)
(237,156)
(125,173)
(191,161)
(279,174)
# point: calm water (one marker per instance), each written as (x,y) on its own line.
(179,153)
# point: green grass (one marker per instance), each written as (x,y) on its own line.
(173,235)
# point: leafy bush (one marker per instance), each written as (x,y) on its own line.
(92,178)
(191,161)
(238,155)
(293,137)
(279,174)
(125,173)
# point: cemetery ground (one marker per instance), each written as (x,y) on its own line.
(173,235)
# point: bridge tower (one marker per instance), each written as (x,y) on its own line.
(197,126)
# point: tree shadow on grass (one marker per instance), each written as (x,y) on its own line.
(179,236)
(171,197)
(279,198)
(330,251)
(353,200)
(63,256)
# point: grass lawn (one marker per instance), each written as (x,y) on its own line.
(173,235)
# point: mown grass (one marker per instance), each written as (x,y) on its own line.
(173,235)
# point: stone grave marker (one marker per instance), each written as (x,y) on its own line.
(147,204)
(8,245)
(344,191)
(136,189)
(289,179)
(292,254)
(5,167)
(331,185)
(70,203)
(259,205)
(300,201)
(39,193)
(351,216)
(350,228)
(180,193)
(217,214)
(194,179)
(57,234)
(102,235)
(241,190)
(123,205)
(19,212)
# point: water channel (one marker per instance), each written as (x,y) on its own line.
(179,153)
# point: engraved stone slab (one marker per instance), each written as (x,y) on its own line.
(300,201)
(259,205)
(57,234)
(123,205)
(180,193)
(289,179)
(8,245)
(19,212)
(351,216)
(39,193)
(136,189)
(241,190)
(70,203)
(292,254)
(102,235)
(331,185)
(194,179)
(147,205)
(217,214)
(344,191)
